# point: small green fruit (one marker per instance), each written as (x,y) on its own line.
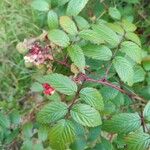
(28,64)
(21,48)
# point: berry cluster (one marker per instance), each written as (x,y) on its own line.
(48,90)
(38,55)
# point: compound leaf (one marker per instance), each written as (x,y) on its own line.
(68,25)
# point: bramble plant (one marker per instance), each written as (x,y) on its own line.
(92,82)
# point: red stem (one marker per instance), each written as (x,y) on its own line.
(107,83)
(104,81)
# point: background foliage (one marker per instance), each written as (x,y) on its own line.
(97,70)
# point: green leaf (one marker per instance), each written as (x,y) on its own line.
(62,134)
(27,145)
(54,97)
(58,37)
(15,117)
(116,27)
(109,108)
(4,121)
(37,146)
(52,112)
(27,130)
(118,100)
(94,134)
(146,65)
(128,26)
(123,123)
(132,50)
(114,13)
(138,141)
(75,6)
(61,83)
(40,5)
(79,144)
(85,115)
(124,69)
(139,74)
(99,52)
(52,20)
(81,22)
(59,2)
(92,97)
(77,56)
(91,36)
(12,136)
(68,25)
(104,145)
(36,87)
(108,93)
(133,37)
(42,133)
(107,34)
(146,112)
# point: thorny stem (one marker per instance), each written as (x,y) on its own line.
(104,81)
(143,124)
(107,83)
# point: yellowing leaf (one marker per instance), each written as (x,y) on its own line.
(133,37)
(128,26)
(68,25)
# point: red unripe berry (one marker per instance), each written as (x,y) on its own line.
(48,90)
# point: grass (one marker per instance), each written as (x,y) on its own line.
(17,23)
